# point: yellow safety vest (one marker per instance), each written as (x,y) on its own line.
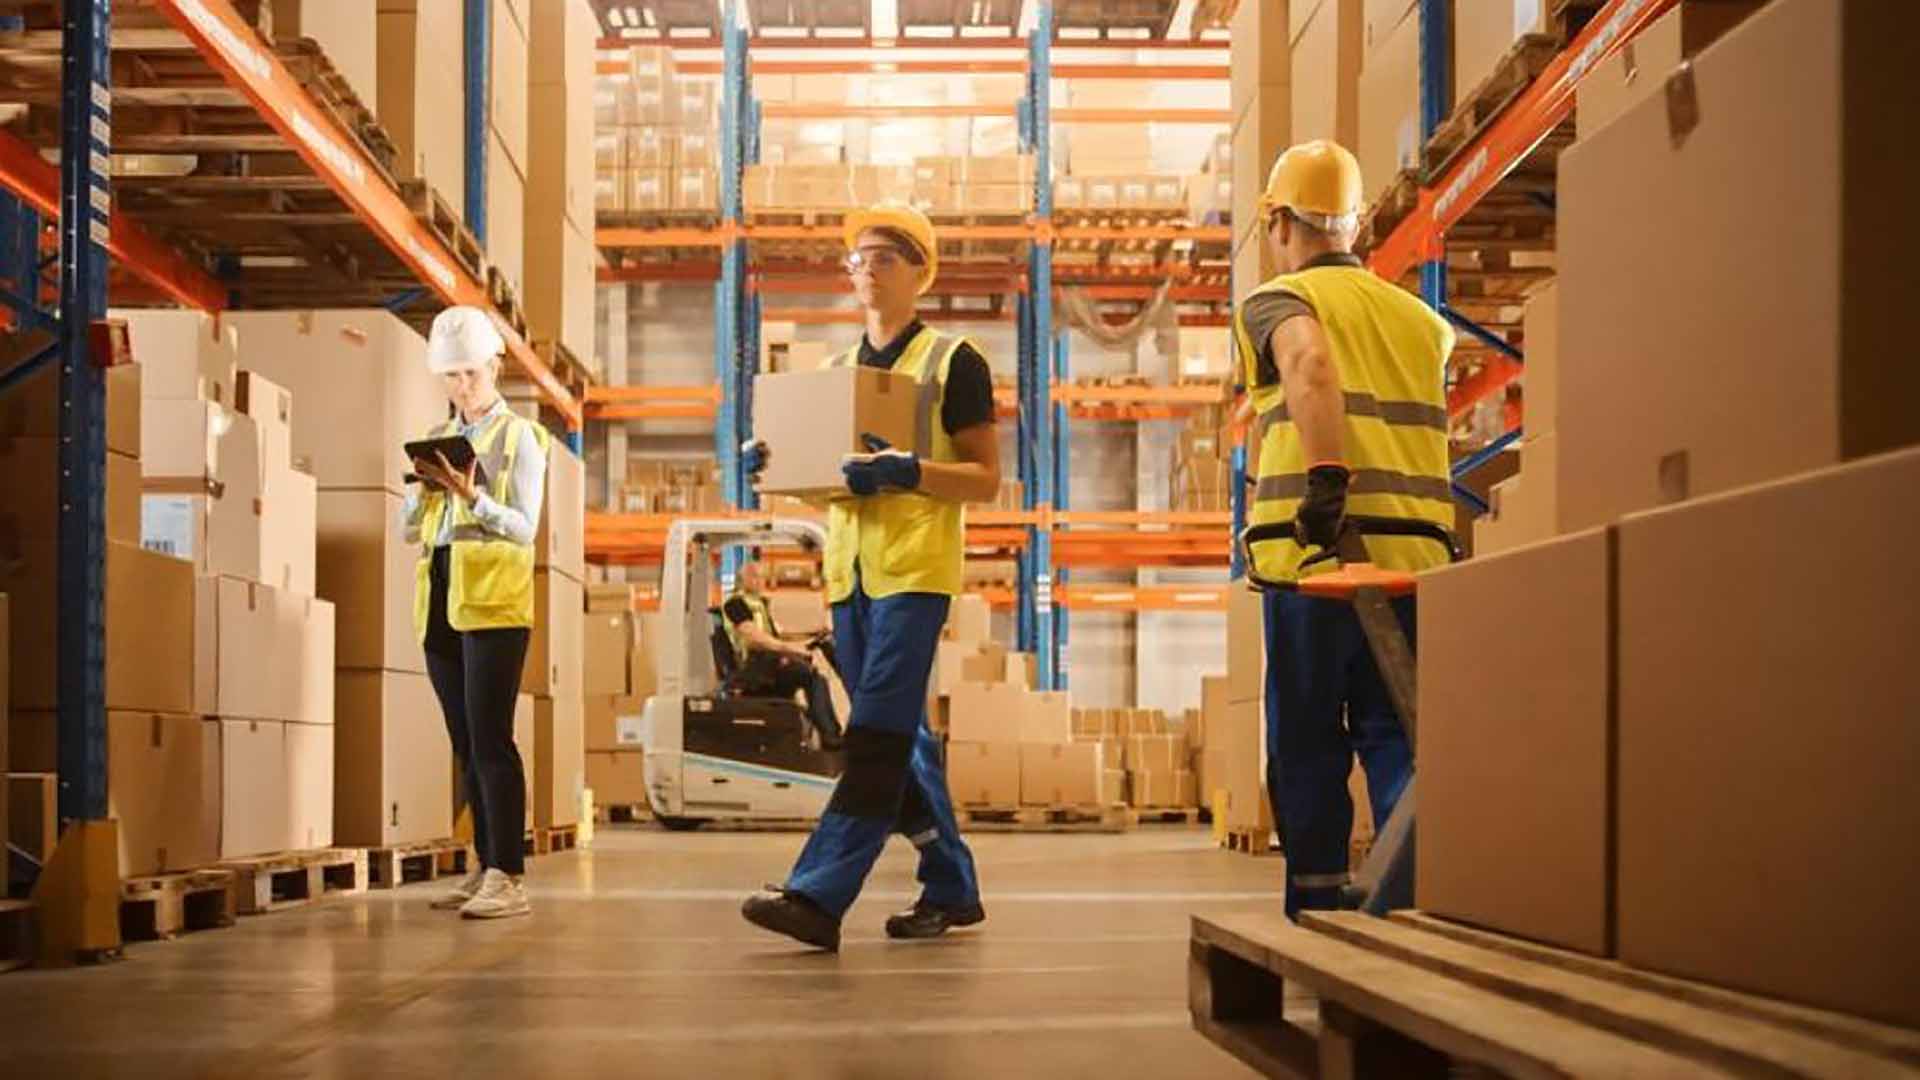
(489,578)
(1391,351)
(762,617)
(903,541)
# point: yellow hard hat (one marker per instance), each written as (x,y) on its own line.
(1318,180)
(905,220)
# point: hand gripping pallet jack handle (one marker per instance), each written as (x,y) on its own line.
(1385,881)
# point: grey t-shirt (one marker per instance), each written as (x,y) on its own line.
(1263,314)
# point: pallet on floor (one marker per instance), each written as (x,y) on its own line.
(17,927)
(1167,815)
(422,860)
(1044,818)
(158,907)
(1247,841)
(1346,994)
(552,839)
(288,879)
(622,813)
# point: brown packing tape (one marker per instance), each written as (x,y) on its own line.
(182,485)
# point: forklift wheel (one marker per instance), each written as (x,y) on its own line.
(680,824)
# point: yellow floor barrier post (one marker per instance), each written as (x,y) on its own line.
(78,895)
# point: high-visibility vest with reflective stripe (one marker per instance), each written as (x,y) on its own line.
(489,577)
(1391,351)
(903,541)
(762,617)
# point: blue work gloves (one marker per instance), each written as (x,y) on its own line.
(881,467)
(1317,521)
(753,456)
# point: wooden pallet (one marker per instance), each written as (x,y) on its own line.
(1168,815)
(432,210)
(309,65)
(17,928)
(1345,994)
(1389,210)
(406,864)
(504,295)
(1249,841)
(164,906)
(1523,63)
(553,839)
(1044,818)
(295,878)
(622,814)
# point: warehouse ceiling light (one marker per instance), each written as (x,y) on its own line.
(884,18)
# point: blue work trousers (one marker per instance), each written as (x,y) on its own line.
(1326,703)
(894,780)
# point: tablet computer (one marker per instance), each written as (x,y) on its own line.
(457,450)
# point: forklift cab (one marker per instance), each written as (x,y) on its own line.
(713,751)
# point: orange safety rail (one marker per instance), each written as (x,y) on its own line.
(652,402)
(1007,43)
(37,183)
(233,48)
(1142,598)
(796,110)
(1070,115)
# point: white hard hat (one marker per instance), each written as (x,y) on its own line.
(462,337)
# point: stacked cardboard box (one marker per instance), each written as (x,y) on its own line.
(619,678)
(671,486)
(421,95)
(1327,43)
(362,386)
(1524,508)
(1652,624)
(1203,466)
(1262,121)
(560,257)
(1389,88)
(555,670)
(655,148)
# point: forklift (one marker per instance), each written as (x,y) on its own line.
(713,751)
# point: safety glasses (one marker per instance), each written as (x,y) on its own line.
(872,261)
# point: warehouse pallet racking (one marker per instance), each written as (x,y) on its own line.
(191,242)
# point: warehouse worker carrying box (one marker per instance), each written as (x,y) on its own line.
(1346,374)
(895,548)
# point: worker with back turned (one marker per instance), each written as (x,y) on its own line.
(1346,374)
(769,664)
(473,595)
(893,563)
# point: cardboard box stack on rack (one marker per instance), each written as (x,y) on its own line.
(618,677)
(656,147)
(1203,465)
(1262,122)
(672,486)
(421,85)
(560,256)
(1680,628)
(1233,728)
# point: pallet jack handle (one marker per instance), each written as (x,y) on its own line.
(1356,570)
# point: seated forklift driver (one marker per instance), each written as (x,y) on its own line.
(769,666)
(893,564)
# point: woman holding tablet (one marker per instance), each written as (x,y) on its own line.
(473,594)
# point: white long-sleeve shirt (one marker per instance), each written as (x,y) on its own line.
(518,517)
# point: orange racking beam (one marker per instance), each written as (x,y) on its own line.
(1199,233)
(621,237)
(802,110)
(1009,43)
(678,270)
(652,402)
(37,182)
(1071,115)
(1143,598)
(1155,72)
(231,47)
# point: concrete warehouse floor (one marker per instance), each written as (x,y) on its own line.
(636,962)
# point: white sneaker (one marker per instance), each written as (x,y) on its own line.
(500,897)
(458,896)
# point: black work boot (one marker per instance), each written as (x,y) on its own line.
(924,920)
(785,912)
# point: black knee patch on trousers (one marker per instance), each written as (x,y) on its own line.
(875,775)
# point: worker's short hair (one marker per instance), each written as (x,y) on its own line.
(909,250)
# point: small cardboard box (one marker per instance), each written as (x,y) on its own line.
(559,755)
(271,408)
(393,774)
(812,420)
(1152,787)
(1154,753)
(183,355)
(1061,774)
(969,619)
(607,597)
(163,783)
(607,642)
(985,712)
(253,787)
(1046,718)
(617,777)
(262,653)
(984,773)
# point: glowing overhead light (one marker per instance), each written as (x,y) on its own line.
(633,15)
(1029,17)
(647,14)
(1181,28)
(615,19)
(884,18)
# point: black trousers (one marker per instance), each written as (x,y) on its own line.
(476,675)
(781,676)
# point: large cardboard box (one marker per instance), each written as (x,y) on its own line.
(812,420)
(1237,765)
(344,30)
(1638,69)
(985,712)
(508,83)
(289,509)
(1718,398)
(799,611)
(393,766)
(32,406)
(1515,757)
(559,756)
(1382,17)
(183,355)
(1541,327)
(617,777)
(1484,31)
(1153,787)
(360,380)
(367,571)
(560,283)
(984,773)
(553,664)
(253,787)
(1767,705)
(1390,109)
(506,214)
(213,516)
(163,785)
(30,502)
(1325,86)
(262,653)
(1154,753)
(969,619)
(1061,774)
(149,624)
(559,543)
(1246,644)
(1259,55)
(562,155)
(606,642)
(309,786)
(1046,717)
(422,92)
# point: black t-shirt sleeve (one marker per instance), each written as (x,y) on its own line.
(736,611)
(969,391)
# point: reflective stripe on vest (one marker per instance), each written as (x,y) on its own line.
(1390,351)
(489,577)
(902,541)
(762,617)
